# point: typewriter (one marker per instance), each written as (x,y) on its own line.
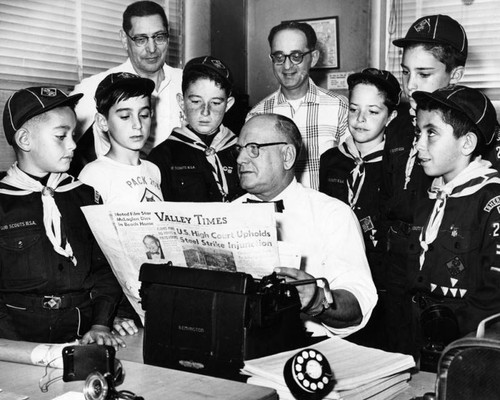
(209,322)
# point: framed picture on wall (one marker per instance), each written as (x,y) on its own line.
(327,31)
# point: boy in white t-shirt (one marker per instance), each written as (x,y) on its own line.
(124,112)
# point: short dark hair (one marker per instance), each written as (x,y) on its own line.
(460,123)
(112,97)
(300,26)
(142,9)
(152,238)
(446,54)
(389,101)
(289,129)
(194,75)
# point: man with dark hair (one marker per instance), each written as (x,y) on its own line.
(323,230)
(145,38)
(321,115)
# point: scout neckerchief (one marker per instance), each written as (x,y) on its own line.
(222,140)
(356,179)
(51,215)
(413,153)
(477,174)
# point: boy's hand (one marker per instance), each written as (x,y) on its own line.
(124,326)
(101,334)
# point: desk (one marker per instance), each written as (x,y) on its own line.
(153,383)
(421,383)
(162,383)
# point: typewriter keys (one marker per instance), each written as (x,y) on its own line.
(308,375)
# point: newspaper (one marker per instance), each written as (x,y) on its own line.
(219,236)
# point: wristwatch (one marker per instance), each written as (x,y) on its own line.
(325,305)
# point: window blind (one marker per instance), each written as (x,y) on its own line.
(63,41)
(60,42)
(480,21)
(37,42)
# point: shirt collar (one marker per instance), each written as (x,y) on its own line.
(167,72)
(310,97)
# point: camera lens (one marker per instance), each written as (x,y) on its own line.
(96,387)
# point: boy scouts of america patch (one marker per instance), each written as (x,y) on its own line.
(455,266)
(423,26)
(494,202)
(48,92)
(366,224)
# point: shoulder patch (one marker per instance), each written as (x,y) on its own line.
(494,202)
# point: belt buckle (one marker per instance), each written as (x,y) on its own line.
(52,302)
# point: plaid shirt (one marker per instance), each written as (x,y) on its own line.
(322,121)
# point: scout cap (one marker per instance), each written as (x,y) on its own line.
(204,63)
(439,29)
(121,80)
(379,77)
(470,102)
(30,102)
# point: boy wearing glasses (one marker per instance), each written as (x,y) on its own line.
(323,230)
(196,161)
(320,115)
(145,38)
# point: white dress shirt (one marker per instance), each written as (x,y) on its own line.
(327,234)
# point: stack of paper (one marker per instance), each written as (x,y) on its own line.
(360,372)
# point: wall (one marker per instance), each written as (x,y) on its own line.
(197,29)
(229,41)
(354,30)
(7,156)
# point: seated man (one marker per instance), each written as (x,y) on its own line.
(323,229)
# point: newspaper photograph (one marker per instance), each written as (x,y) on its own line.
(216,236)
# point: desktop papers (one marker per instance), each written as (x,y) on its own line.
(360,372)
(220,236)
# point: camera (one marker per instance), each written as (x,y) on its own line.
(439,328)
(102,387)
(80,361)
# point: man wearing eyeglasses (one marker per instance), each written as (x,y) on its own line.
(321,115)
(322,229)
(145,38)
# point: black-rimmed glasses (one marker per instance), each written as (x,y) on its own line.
(253,148)
(159,39)
(296,57)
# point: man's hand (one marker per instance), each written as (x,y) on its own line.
(124,326)
(306,292)
(101,334)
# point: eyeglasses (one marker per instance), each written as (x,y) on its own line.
(159,39)
(296,57)
(253,148)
